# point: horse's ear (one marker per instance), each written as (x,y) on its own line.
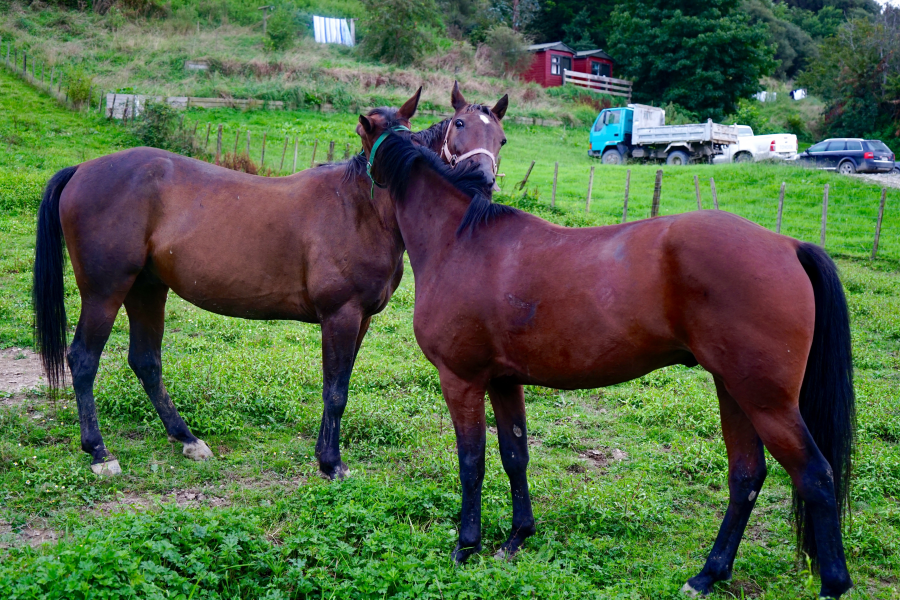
(409,107)
(366,124)
(456,98)
(499,109)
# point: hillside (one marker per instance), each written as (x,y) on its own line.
(148,55)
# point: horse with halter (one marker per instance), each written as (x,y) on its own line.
(506,299)
(321,246)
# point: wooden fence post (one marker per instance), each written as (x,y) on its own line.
(521,185)
(237,137)
(330,158)
(312,161)
(194,132)
(712,186)
(262,156)
(625,204)
(780,208)
(219,145)
(657,192)
(555,174)
(283,153)
(697,191)
(100,104)
(206,144)
(347,152)
(294,168)
(824,217)
(878,223)
(587,204)
(248,145)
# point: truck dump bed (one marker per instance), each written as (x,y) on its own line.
(648,129)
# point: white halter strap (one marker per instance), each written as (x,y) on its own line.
(455,160)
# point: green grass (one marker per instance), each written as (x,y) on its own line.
(634,528)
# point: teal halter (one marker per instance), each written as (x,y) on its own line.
(375,146)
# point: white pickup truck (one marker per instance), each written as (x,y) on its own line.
(749,147)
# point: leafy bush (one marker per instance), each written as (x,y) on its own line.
(79,84)
(158,127)
(281,30)
(399,31)
(509,55)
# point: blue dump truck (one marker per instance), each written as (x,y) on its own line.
(639,133)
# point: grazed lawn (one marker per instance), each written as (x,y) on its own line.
(628,482)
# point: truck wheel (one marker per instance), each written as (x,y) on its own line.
(743,157)
(677,158)
(612,157)
(846,168)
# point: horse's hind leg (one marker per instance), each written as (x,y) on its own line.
(341,336)
(509,409)
(788,440)
(746,474)
(146,305)
(94,326)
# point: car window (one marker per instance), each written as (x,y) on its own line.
(837,146)
(854,146)
(820,147)
(877,146)
(613,117)
(744,130)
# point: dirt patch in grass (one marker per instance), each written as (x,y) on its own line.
(749,589)
(20,370)
(604,456)
(182,498)
(34,533)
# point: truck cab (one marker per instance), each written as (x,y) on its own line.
(611,128)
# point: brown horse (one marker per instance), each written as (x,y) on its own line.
(505,299)
(321,246)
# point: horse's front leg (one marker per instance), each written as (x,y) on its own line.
(466,403)
(508,400)
(341,335)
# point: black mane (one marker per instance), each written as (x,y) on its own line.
(398,155)
(433,137)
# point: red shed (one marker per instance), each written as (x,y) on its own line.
(549,62)
(593,62)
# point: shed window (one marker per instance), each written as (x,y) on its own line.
(559,63)
(599,68)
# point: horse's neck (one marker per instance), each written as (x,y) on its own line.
(429,215)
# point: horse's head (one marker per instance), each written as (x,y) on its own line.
(379,120)
(475,134)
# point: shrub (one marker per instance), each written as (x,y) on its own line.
(399,31)
(508,51)
(281,30)
(79,84)
(158,127)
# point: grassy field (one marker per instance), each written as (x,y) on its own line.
(628,482)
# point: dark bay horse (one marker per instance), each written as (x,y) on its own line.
(506,299)
(321,246)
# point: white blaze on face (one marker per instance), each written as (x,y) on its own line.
(485,119)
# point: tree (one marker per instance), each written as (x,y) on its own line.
(857,72)
(793,46)
(399,31)
(572,21)
(281,29)
(578,32)
(703,56)
(509,53)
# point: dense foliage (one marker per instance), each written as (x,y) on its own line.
(399,31)
(857,72)
(703,57)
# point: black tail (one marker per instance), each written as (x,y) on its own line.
(827,402)
(48,294)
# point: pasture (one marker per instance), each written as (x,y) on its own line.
(628,482)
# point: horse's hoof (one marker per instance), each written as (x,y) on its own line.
(109,468)
(691,592)
(197,450)
(461,554)
(336,473)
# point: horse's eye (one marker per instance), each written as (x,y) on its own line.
(503,142)
(459,123)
